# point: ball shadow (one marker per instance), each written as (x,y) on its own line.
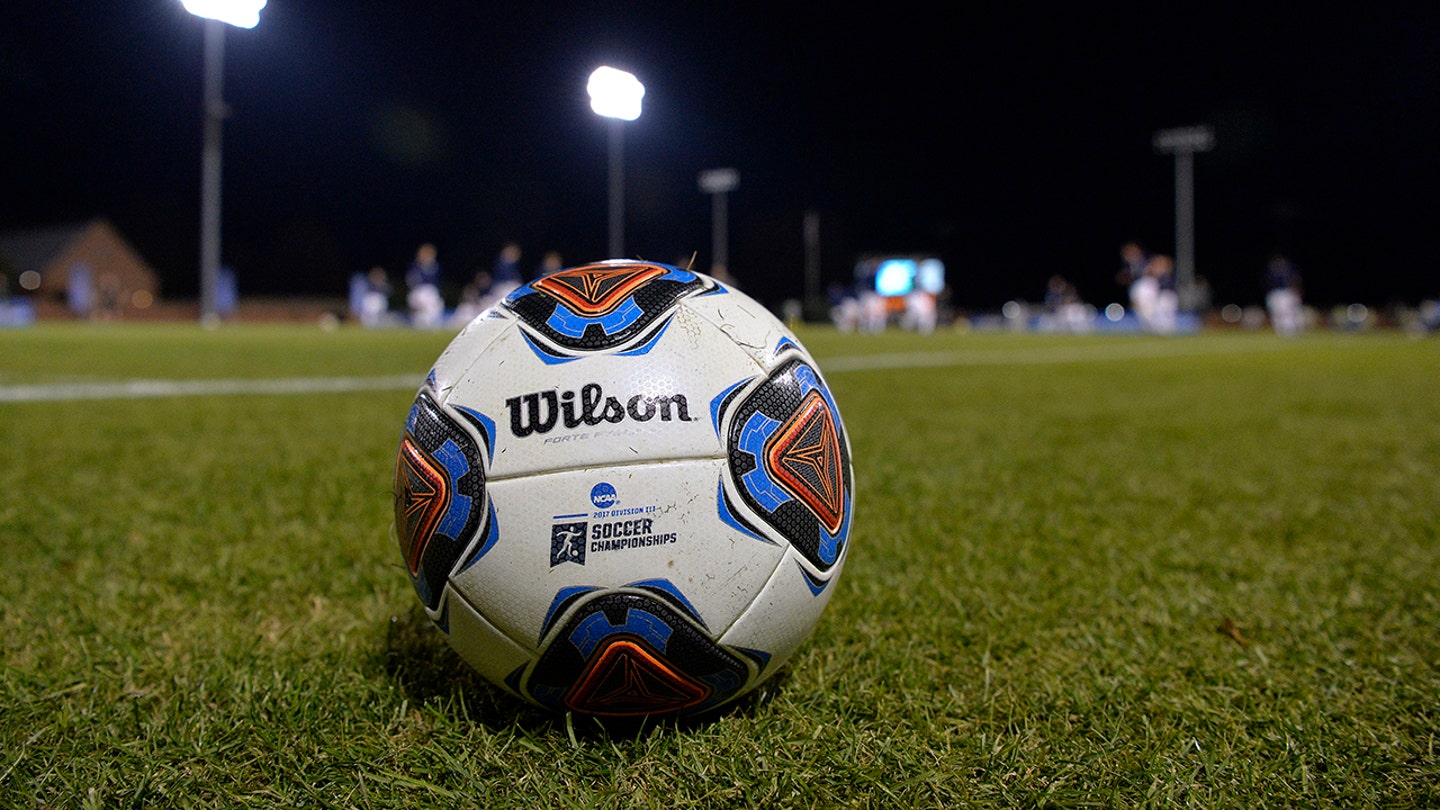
(427,669)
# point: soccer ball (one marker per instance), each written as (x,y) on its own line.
(624,490)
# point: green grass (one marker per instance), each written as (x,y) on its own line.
(1104,571)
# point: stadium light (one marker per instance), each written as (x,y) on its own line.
(239,13)
(718,183)
(1183,143)
(217,14)
(616,94)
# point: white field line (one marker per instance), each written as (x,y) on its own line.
(1059,355)
(146,389)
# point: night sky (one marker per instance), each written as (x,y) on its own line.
(1014,143)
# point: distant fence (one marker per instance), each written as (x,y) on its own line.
(249,309)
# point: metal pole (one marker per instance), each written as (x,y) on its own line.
(1185,229)
(617,188)
(210,169)
(719,228)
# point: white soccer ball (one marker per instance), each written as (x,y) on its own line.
(625,490)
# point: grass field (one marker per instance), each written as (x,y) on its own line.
(1109,571)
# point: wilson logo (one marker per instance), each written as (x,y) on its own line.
(541,411)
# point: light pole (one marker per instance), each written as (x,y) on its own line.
(616,94)
(217,14)
(1183,143)
(718,183)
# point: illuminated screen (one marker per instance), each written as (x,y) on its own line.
(895,276)
(900,275)
(930,276)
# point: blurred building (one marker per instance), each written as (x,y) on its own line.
(84,270)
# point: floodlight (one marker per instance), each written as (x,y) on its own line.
(239,13)
(615,93)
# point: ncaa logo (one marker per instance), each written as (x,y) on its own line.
(603,496)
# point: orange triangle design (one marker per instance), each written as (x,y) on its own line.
(596,289)
(626,680)
(422,494)
(804,456)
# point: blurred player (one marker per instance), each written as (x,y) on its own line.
(1282,296)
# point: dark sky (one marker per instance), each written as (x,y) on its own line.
(1014,142)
